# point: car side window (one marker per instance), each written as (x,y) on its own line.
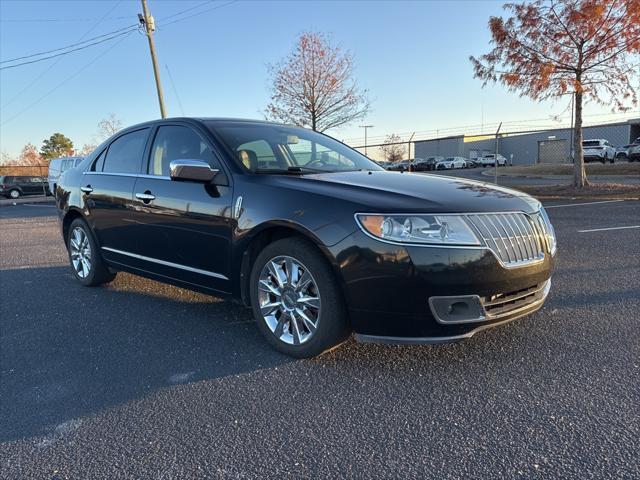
(125,153)
(176,142)
(98,163)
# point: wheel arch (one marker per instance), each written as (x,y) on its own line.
(266,234)
(68,218)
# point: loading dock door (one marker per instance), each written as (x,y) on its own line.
(552,151)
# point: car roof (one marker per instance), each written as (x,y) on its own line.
(160,121)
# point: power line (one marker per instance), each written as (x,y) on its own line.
(52,20)
(56,62)
(199,13)
(175,90)
(186,10)
(69,78)
(68,46)
(70,51)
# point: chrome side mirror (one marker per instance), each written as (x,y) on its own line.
(192,170)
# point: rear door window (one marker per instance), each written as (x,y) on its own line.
(125,153)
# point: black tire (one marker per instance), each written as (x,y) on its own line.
(332,324)
(98,273)
(14,194)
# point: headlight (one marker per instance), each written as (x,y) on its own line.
(549,232)
(419,229)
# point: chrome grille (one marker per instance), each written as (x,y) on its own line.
(502,304)
(515,238)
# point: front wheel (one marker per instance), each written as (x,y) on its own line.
(14,194)
(84,257)
(295,298)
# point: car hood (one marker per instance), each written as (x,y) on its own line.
(382,191)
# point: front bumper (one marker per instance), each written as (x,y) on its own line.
(388,287)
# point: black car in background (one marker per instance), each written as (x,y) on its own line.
(317,239)
(15,186)
(424,164)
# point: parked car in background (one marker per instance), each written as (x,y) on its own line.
(453,162)
(633,153)
(401,166)
(16,186)
(598,150)
(59,165)
(317,245)
(622,153)
(473,163)
(424,164)
(490,160)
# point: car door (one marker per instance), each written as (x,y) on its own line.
(184,227)
(107,190)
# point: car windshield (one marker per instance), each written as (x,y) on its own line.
(267,148)
(592,143)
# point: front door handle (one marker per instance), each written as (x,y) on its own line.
(87,189)
(146,197)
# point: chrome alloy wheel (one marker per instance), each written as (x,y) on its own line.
(80,251)
(289,300)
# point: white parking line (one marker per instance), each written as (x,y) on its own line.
(610,228)
(580,204)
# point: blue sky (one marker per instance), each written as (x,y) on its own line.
(412,57)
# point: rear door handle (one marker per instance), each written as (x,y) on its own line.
(87,189)
(146,196)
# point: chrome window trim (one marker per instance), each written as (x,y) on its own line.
(136,175)
(513,265)
(168,264)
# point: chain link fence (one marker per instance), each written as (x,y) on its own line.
(519,147)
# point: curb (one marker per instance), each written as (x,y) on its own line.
(19,201)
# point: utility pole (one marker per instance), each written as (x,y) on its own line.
(149,26)
(573,96)
(496,156)
(409,152)
(366,127)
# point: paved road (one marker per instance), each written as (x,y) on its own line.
(141,380)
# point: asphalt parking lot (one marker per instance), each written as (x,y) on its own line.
(141,380)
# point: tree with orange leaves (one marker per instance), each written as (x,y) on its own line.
(314,86)
(551,48)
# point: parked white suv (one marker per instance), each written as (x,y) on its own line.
(598,150)
(633,153)
(490,160)
(59,165)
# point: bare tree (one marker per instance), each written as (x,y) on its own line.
(86,149)
(314,86)
(551,48)
(392,148)
(108,126)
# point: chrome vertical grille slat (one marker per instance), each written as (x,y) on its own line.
(528,254)
(514,237)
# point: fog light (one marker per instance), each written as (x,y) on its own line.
(462,309)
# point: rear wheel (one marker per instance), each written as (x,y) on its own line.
(295,299)
(84,257)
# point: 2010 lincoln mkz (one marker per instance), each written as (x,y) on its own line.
(316,238)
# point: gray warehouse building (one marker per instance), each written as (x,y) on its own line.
(525,148)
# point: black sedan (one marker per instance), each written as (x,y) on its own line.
(318,240)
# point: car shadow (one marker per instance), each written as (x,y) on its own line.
(68,351)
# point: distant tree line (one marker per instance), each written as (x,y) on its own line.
(59,145)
